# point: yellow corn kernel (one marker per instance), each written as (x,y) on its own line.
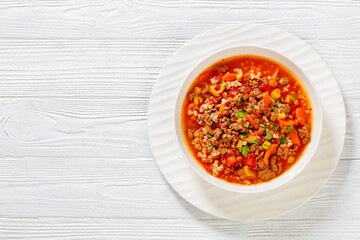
(239,120)
(283,129)
(266,144)
(196,134)
(282,115)
(225,94)
(208,129)
(246,96)
(276,93)
(196,100)
(250,138)
(197,90)
(201,100)
(249,110)
(291,159)
(248,172)
(239,144)
(288,98)
(239,73)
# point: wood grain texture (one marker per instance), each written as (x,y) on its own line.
(75,81)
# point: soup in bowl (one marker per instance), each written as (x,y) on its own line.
(247,119)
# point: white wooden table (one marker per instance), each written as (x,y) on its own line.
(75,81)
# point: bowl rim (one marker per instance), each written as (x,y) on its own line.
(285,177)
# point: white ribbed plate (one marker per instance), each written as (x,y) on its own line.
(237,206)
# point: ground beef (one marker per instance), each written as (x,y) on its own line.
(304,133)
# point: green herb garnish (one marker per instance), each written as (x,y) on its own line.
(257,121)
(228,122)
(289,128)
(244,150)
(294,97)
(277,78)
(228,154)
(253,142)
(296,131)
(242,101)
(209,136)
(277,102)
(263,125)
(244,134)
(238,79)
(268,133)
(272,107)
(275,128)
(256,107)
(283,140)
(209,112)
(210,148)
(240,114)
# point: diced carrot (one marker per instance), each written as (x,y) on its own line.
(273,81)
(231,159)
(251,121)
(249,138)
(285,122)
(222,108)
(300,114)
(266,100)
(294,137)
(269,152)
(229,77)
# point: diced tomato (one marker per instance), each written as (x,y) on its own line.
(284,93)
(251,160)
(247,90)
(264,87)
(256,113)
(231,159)
(217,87)
(190,107)
(233,92)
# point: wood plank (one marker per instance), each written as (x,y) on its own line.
(153,19)
(169,229)
(131,189)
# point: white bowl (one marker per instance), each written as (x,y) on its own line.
(316,120)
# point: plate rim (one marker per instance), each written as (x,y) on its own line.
(341,102)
